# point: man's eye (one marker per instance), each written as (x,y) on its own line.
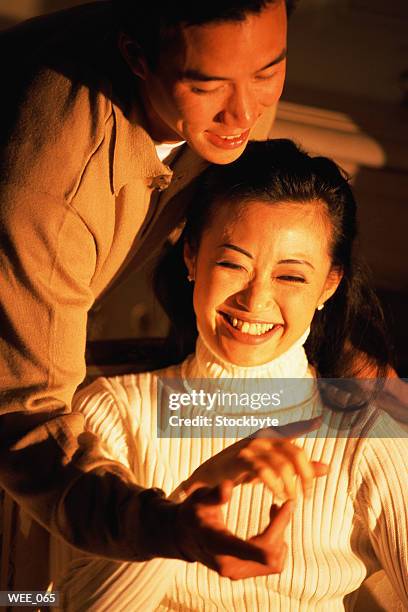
(229,264)
(265,77)
(198,90)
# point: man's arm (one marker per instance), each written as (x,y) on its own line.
(55,136)
(49,255)
(48,258)
(47,462)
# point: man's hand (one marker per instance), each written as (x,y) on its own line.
(269,456)
(202,536)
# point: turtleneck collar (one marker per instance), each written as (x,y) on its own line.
(291,364)
(299,400)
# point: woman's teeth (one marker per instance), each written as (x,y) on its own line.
(254,329)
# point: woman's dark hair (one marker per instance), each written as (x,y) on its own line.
(347,337)
(152,24)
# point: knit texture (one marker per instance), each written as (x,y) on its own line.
(354,523)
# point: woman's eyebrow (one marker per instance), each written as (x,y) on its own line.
(234,247)
(296,261)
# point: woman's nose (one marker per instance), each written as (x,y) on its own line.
(256,297)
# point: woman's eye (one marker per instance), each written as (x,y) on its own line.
(229,264)
(292,279)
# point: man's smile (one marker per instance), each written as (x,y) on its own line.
(231,141)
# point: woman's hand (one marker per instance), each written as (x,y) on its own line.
(268,456)
(201,535)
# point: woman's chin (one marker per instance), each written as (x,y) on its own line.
(228,346)
(246,356)
(255,351)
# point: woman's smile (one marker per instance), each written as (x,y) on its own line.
(247,331)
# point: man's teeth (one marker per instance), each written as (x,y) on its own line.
(254,329)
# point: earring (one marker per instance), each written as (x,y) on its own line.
(320,307)
(190,278)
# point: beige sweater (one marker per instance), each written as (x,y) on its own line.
(78,211)
(354,523)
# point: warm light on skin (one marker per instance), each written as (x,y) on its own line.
(217,81)
(284,274)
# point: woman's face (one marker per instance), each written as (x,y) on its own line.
(260,272)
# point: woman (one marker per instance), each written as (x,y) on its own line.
(268,290)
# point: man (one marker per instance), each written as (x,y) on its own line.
(87,114)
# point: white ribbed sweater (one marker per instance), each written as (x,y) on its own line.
(354,523)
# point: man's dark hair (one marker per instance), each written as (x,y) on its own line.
(151,24)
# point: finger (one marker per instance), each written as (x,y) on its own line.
(215,542)
(260,466)
(290,431)
(273,512)
(285,472)
(274,468)
(236,569)
(270,479)
(225,489)
(299,428)
(280,556)
(279,521)
(319,468)
(210,537)
(214,496)
(301,465)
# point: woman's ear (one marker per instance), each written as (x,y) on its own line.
(189,260)
(332,282)
(133,55)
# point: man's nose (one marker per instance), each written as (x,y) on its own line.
(257,297)
(241,108)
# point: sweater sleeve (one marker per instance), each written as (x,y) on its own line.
(382,500)
(48,258)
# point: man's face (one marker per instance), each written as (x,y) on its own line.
(211,89)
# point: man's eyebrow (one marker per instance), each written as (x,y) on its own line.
(196,75)
(277,60)
(296,261)
(234,247)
